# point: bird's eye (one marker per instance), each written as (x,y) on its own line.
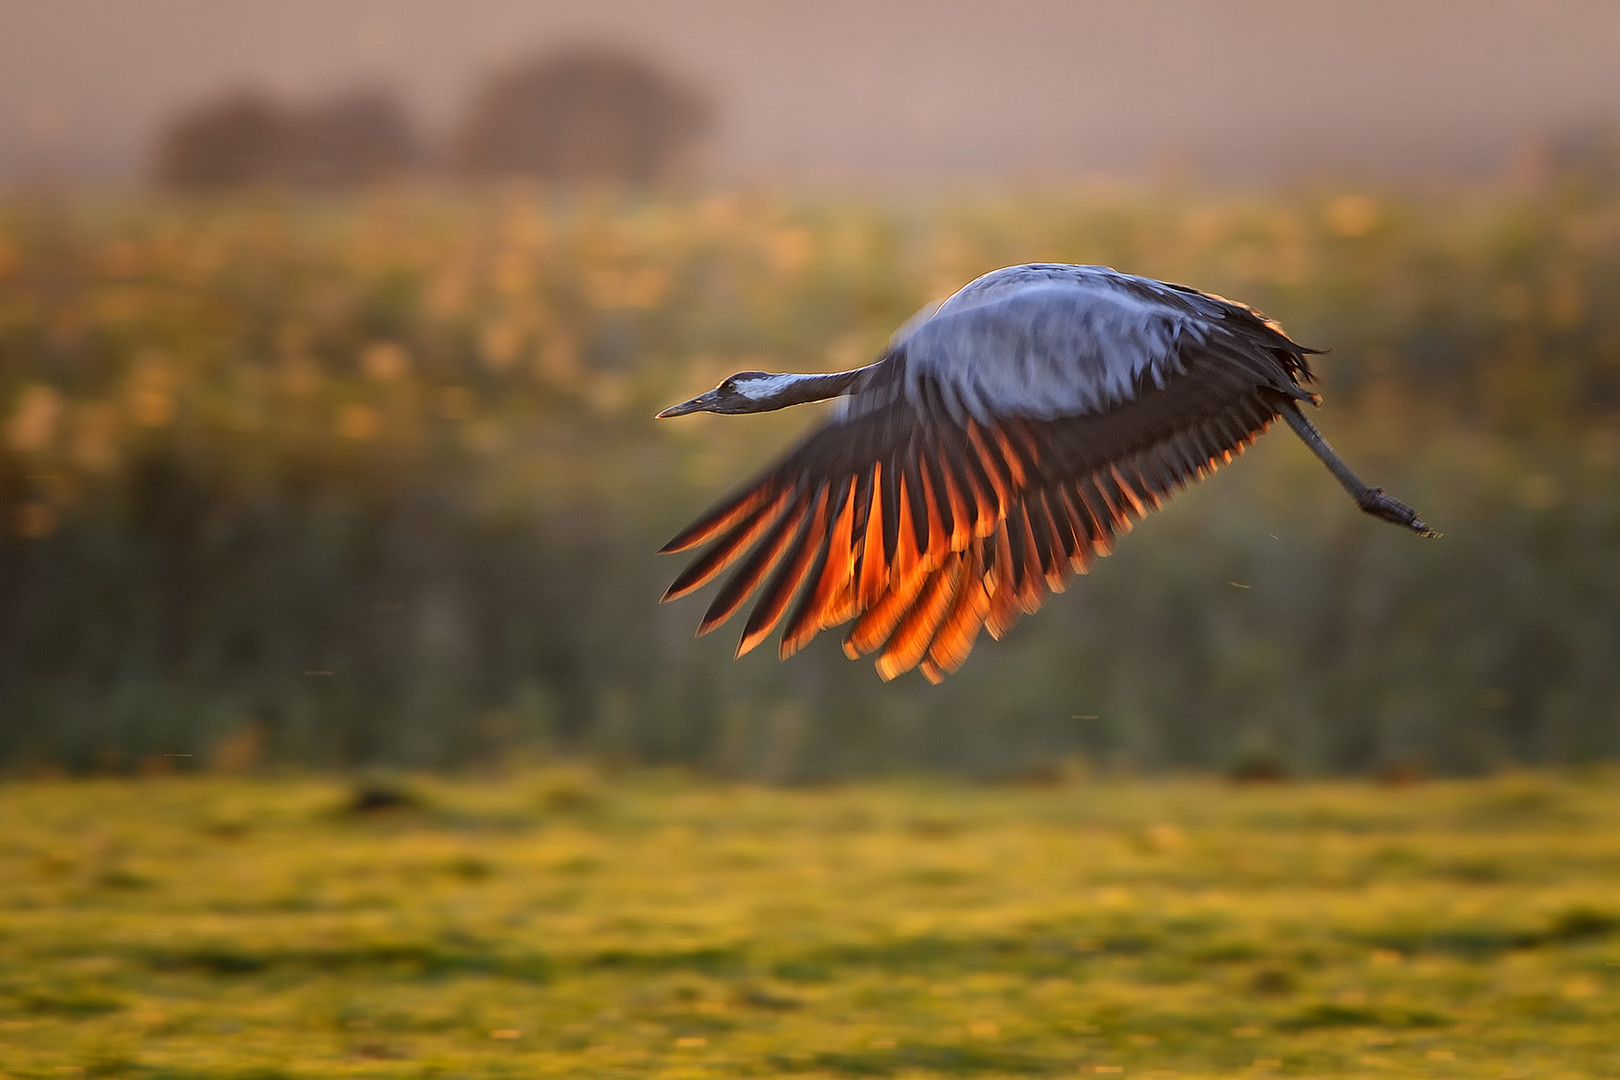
(730,386)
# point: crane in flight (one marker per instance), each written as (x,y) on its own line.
(995,448)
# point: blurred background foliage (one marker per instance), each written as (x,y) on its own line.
(374,479)
(585,114)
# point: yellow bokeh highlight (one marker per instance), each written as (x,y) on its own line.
(1353,216)
(358,422)
(34,419)
(385,361)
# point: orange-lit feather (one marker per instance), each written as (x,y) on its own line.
(874,566)
(1056,560)
(909,551)
(837,566)
(994,470)
(1030,596)
(722,517)
(1010,456)
(735,592)
(1079,521)
(939,541)
(1133,499)
(1003,611)
(727,549)
(875,627)
(964,506)
(789,576)
(914,633)
(957,632)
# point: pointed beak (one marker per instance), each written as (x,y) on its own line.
(701,403)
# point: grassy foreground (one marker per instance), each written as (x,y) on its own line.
(552,923)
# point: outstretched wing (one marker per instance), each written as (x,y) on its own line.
(997,449)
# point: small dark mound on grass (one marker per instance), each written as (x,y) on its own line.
(1258,767)
(1400,773)
(1273,982)
(1582,923)
(381,795)
(908,1059)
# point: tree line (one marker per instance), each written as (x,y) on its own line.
(585,114)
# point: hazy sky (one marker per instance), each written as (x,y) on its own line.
(843,89)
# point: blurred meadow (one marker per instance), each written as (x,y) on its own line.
(559,923)
(373,479)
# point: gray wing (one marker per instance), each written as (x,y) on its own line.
(996,449)
(1050,341)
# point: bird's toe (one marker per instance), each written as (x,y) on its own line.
(1381,504)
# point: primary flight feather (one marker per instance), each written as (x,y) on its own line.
(995,448)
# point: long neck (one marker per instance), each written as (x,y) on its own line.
(795,389)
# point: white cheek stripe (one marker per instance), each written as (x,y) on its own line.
(768,387)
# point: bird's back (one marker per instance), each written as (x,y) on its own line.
(1044,341)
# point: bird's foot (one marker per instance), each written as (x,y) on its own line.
(1381,505)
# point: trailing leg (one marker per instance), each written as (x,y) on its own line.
(1372,500)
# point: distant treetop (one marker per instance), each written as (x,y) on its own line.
(586,114)
(247,138)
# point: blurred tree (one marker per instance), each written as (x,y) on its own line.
(1591,151)
(591,113)
(247,138)
(233,141)
(352,140)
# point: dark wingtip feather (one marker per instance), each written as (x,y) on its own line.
(735,592)
(716,519)
(786,578)
(706,567)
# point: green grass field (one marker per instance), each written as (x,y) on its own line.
(556,923)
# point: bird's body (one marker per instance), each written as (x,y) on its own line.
(995,448)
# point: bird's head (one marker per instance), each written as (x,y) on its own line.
(744,392)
